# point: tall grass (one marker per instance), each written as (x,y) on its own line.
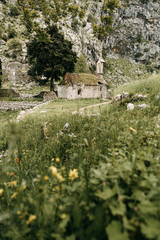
(99,179)
(150,86)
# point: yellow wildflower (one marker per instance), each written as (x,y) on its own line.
(63,216)
(57,159)
(60,178)
(31,219)
(1,192)
(57,188)
(12,183)
(45,178)
(54,171)
(73,174)
(23,187)
(132,129)
(14,195)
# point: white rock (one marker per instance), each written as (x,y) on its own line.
(125,95)
(144,105)
(130,106)
(72,135)
(22,112)
(43,111)
(117,97)
(140,96)
(66,126)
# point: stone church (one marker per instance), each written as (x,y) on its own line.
(84,85)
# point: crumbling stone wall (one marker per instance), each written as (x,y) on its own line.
(9,105)
(83,91)
(16,72)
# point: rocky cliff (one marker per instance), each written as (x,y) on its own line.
(136,34)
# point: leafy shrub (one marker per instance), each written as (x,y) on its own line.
(91,19)
(14,11)
(75,24)
(11,32)
(15,46)
(81,65)
(138,55)
(14,43)
(144,1)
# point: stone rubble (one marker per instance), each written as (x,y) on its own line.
(126,95)
(130,106)
(16,105)
(144,105)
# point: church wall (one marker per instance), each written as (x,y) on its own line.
(75,92)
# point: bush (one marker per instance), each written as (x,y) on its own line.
(91,19)
(75,24)
(144,1)
(15,46)
(81,65)
(14,11)
(11,32)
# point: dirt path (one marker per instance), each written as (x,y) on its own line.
(81,110)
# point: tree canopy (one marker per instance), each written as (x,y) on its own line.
(50,55)
(50,11)
(81,65)
(106,20)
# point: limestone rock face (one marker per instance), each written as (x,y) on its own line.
(136,35)
(137,32)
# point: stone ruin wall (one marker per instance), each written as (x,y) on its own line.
(75,92)
(15,72)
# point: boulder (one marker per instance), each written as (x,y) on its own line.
(130,106)
(48,96)
(144,105)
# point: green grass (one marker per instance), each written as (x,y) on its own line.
(62,107)
(7,116)
(121,71)
(116,192)
(150,86)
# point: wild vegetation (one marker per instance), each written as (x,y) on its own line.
(68,173)
(97,178)
(50,55)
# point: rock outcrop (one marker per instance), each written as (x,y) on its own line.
(136,36)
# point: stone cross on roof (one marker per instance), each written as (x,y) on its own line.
(100,66)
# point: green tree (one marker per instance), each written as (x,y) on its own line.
(81,65)
(50,55)
(52,11)
(104,25)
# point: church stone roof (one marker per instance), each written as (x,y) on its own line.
(83,79)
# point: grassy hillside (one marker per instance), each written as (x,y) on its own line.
(99,179)
(150,86)
(118,71)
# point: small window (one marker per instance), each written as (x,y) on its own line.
(79,91)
